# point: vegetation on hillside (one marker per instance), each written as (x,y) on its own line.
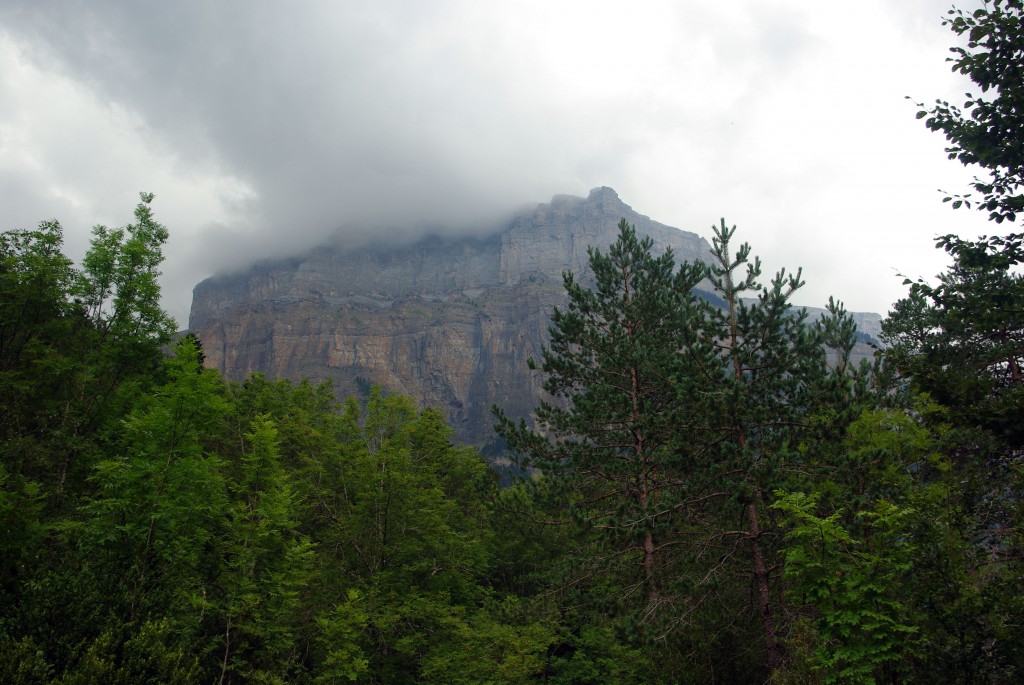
(714,494)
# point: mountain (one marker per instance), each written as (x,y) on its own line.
(448,321)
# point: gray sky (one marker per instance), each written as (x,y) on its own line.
(263,126)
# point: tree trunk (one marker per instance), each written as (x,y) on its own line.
(649,573)
(773,650)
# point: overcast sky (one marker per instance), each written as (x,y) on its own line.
(263,126)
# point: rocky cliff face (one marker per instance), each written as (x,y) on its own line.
(450,322)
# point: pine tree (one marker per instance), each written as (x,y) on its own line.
(624,370)
(770,371)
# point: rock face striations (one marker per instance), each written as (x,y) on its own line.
(450,322)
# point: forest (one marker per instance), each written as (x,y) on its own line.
(715,493)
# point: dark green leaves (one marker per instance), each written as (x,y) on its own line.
(991,136)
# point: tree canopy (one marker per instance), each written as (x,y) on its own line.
(713,490)
(986,129)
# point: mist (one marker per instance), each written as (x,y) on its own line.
(266,128)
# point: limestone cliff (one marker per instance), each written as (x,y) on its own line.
(450,322)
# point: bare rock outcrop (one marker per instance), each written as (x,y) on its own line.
(448,321)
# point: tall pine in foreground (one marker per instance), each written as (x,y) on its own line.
(614,442)
(673,423)
(770,366)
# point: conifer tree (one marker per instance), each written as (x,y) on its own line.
(624,371)
(770,366)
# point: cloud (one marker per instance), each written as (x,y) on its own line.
(263,127)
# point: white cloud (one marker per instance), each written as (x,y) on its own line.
(263,126)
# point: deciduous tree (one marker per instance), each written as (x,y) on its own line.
(986,130)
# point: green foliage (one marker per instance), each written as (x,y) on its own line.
(407,505)
(35,278)
(161,501)
(769,370)
(986,130)
(966,583)
(409,497)
(675,421)
(715,483)
(71,358)
(497,644)
(20,510)
(41,363)
(616,450)
(23,662)
(152,656)
(118,285)
(853,583)
(962,340)
(768,382)
(266,564)
(960,344)
(592,654)
(340,632)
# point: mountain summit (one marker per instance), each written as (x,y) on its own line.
(448,321)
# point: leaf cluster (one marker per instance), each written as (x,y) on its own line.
(986,129)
